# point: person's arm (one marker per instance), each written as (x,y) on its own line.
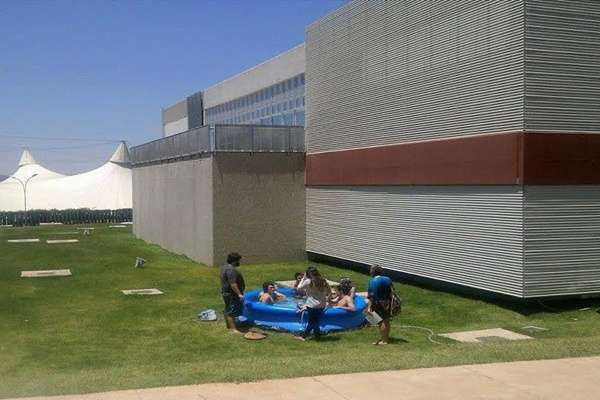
(304,283)
(236,290)
(231,278)
(370,294)
(280,296)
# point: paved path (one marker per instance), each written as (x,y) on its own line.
(571,379)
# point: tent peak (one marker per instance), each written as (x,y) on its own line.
(121,155)
(26,158)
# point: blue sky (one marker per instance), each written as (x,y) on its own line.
(76,76)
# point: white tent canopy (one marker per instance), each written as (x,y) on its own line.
(106,187)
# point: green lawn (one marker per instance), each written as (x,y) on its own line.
(80,334)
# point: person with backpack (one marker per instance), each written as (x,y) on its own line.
(380,294)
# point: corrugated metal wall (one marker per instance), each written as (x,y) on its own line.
(382,72)
(562,240)
(468,235)
(562,65)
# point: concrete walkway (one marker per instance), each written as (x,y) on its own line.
(571,379)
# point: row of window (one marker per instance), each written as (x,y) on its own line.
(295,83)
(292,118)
(262,112)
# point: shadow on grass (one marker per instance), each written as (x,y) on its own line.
(398,340)
(326,338)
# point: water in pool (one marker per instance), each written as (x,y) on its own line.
(290,302)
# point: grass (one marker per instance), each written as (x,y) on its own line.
(80,334)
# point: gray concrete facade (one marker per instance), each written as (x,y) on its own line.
(259,206)
(173,206)
(175,118)
(207,207)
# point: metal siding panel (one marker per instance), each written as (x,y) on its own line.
(387,72)
(468,235)
(562,240)
(562,65)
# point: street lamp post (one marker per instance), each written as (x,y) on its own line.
(24,185)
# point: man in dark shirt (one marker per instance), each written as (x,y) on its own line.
(232,289)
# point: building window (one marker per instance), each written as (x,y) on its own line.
(300,118)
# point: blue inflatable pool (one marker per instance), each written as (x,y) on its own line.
(284,316)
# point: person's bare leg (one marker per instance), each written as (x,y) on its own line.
(230,322)
(384,330)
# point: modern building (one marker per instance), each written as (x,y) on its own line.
(458,141)
(454,141)
(271,93)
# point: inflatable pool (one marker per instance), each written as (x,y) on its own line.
(284,315)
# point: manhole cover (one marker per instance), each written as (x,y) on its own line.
(141,292)
(485,335)
(492,339)
(44,273)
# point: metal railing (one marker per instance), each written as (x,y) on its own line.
(222,138)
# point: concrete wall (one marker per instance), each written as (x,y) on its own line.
(259,206)
(173,207)
(279,68)
(175,118)
(205,208)
(175,127)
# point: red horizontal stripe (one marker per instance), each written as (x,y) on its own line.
(497,159)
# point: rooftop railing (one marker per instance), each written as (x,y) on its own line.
(221,138)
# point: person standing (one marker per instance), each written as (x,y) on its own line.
(232,289)
(317,292)
(380,301)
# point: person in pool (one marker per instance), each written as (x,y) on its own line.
(335,296)
(269,295)
(346,297)
(348,282)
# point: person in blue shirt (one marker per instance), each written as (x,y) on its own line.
(380,301)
